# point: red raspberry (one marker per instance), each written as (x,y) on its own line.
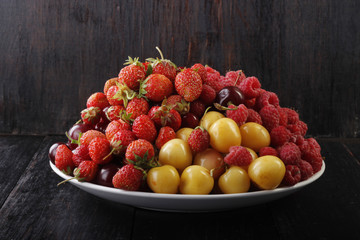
(225,82)
(253,116)
(298,128)
(301,143)
(207,95)
(270,117)
(201,70)
(283,117)
(292,175)
(250,103)
(197,107)
(213,78)
(279,136)
(239,114)
(238,156)
(293,116)
(250,87)
(236,77)
(316,163)
(267,98)
(268,151)
(305,169)
(313,150)
(290,154)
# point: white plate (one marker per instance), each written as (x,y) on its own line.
(187,203)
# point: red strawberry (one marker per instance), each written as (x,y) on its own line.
(156,87)
(114,112)
(128,178)
(81,153)
(120,94)
(89,135)
(86,171)
(63,159)
(238,156)
(188,84)
(137,107)
(91,115)
(199,140)
(132,74)
(121,141)
(139,150)
(178,103)
(97,99)
(201,70)
(239,114)
(163,116)
(114,126)
(163,66)
(109,83)
(100,150)
(165,134)
(144,128)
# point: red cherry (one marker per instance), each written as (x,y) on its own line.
(230,94)
(189,120)
(106,174)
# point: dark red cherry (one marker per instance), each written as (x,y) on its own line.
(74,133)
(230,94)
(106,173)
(52,151)
(189,120)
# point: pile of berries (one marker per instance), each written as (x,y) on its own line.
(167,129)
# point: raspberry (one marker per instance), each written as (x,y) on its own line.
(279,136)
(239,114)
(207,95)
(268,151)
(290,153)
(293,116)
(270,117)
(292,175)
(233,78)
(253,116)
(283,117)
(197,108)
(238,156)
(225,82)
(213,78)
(313,150)
(305,169)
(267,98)
(316,163)
(298,128)
(250,103)
(250,87)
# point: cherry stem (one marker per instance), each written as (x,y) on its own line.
(161,55)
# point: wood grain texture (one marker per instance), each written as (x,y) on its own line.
(37,209)
(54,54)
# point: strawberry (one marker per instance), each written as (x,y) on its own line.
(136,107)
(86,171)
(121,141)
(132,74)
(165,134)
(100,150)
(81,153)
(128,178)
(89,135)
(63,159)
(139,150)
(114,126)
(199,139)
(97,99)
(120,94)
(156,87)
(91,115)
(163,66)
(163,116)
(188,84)
(114,112)
(178,103)
(238,156)
(144,128)
(109,83)
(201,70)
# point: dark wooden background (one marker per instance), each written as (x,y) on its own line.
(54,54)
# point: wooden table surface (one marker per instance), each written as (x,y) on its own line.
(33,207)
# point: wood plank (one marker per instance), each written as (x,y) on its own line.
(328,208)
(16,153)
(38,209)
